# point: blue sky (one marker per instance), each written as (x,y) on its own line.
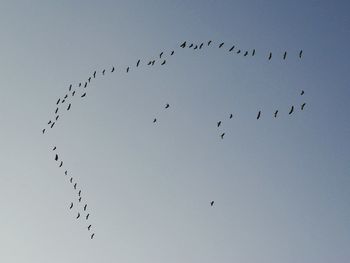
(281,186)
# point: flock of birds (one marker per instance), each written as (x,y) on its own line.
(80,91)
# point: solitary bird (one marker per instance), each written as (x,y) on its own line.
(155,120)
(220,46)
(103,72)
(302,106)
(112,70)
(69,106)
(85,206)
(78,215)
(231,48)
(300,53)
(222,136)
(172,53)
(44,131)
(219,123)
(231,115)
(87,216)
(52,125)
(56,157)
(54,148)
(291,110)
(209,42)
(258,117)
(58,101)
(161,54)
(253,53)
(285,55)
(163,62)
(127,69)
(167,105)
(302,93)
(61,163)
(245,54)
(183,44)
(275,114)
(83,95)
(92,236)
(71,206)
(138,63)
(211,203)
(89,227)
(270,56)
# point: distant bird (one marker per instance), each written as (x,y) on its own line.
(302,106)
(201,45)
(49,122)
(71,206)
(87,216)
(73,93)
(161,54)
(71,180)
(302,93)
(195,47)
(167,105)
(291,110)
(285,55)
(103,72)
(219,123)
(75,186)
(70,87)
(190,45)
(239,51)
(83,95)
(138,63)
(149,63)
(222,136)
(163,62)
(300,53)
(56,157)
(44,131)
(85,85)
(79,84)
(183,44)
(56,110)
(231,116)
(112,70)
(65,172)
(270,55)
(253,53)
(89,79)
(58,101)
(94,74)
(57,117)
(220,46)
(61,163)
(53,124)
(66,96)
(245,54)
(127,69)
(54,148)
(211,203)
(89,227)
(275,114)
(258,117)
(78,215)
(63,101)
(69,106)
(155,120)
(231,48)
(172,53)
(79,193)
(85,206)
(153,62)
(92,236)
(209,42)
(79,199)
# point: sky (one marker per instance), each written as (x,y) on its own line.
(280,185)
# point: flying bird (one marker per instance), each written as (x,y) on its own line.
(63,101)
(211,203)
(253,53)
(138,63)
(155,120)
(92,236)
(56,157)
(89,227)
(245,54)
(66,96)
(231,48)
(209,42)
(153,62)
(302,93)
(163,62)
(103,72)
(183,44)
(302,106)
(69,106)
(78,215)
(57,117)
(94,74)
(149,63)
(276,113)
(112,70)
(161,54)
(73,93)
(87,216)
(127,69)
(70,87)
(54,148)
(71,180)
(75,186)
(222,136)
(56,110)
(89,79)
(220,46)
(258,117)
(172,53)
(71,206)
(285,55)
(190,45)
(201,45)
(167,105)
(83,95)
(79,193)
(61,163)
(79,199)
(219,123)
(58,101)
(85,85)
(291,110)
(79,84)
(231,116)
(300,53)
(195,47)
(85,206)
(44,131)
(239,51)
(270,56)
(49,122)
(52,125)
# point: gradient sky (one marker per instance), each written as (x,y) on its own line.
(281,186)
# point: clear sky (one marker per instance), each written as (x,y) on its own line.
(280,185)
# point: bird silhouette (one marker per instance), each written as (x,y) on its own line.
(239,51)
(89,227)
(92,236)
(65,172)
(73,93)
(201,45)
(58,101)
(258,117)
(56,157)
(219,123)
(103,72)
(153,62)
(70,87)
(302,106)
(49,122)
(222,136)
(79,199)
(71,206)
(183,45)
(87,216)
(85,206)
(66,96)
(79,193)
(270,55)
(79,84)
(78,215)
(112,70)
(231,48)
(190,46)
(83,95)
(149,63)
(284,55)
(300,53)
(43,131)
(89,79)
(71,180)
(220,46)
(231,116)
(167,105)
(209,42)
(161,54)
(172,53)
(75,186)
(195,47)
(291,110)
(85,85)
(163,62)
(54,148)
(138,63)
(253,53)
(155,120)
(63,101)
(69,106)
(302,93)
(211,203)
(56,110)
(57,117)
(53,124)
(61,163)
(94,75)
(275,114)
(245,54)
(127,69)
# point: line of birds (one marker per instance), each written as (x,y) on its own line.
(79,194)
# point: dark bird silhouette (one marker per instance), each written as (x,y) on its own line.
(49,122)
(302,93)
(53,124)
(87,216)
(231,48)
(245,53)
(300,53)
(201,45)
(302,106)
(163,63)
(94,75)
(211,203)
(79,84)
(167,105)
(56,157)
(75,186)
(54,148)
(270,55)
(89,227)
(103,72)
(222,136)
(73,93)
(79,193)
(149,63)
(83,95)
(219,123)
(69,106)
(183,45)
(58,101)
(127,69)
(172,53)
(112,70)
(66,96)
(44,131)
(291,110)
(65,172)
(153,62)
(89,79)
(57,117)
(239,51)
(78,215)
(190,46)
(85,206)
(253,53)
(70,87)
(259,114)
(92,236)
(161,54)
(276,113)
(71,180)
(284,55)
(79,199)
(61,163)
(85,85)
(56,110)
(138,63)
(195,47)
(71,206)
(220,46)
(209,42)
(63,101)
(155,120)
(231,116)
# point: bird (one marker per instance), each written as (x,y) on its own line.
(56,157)
(231,116)
(57,117)
(138,62)
(161,54)
(201,45)
(43,131)
(71,180)
(127,69)
(231,48)
(220,46)
(195,47)
(258,117)
(63,101)
(92,236)
(167,105)
(300,53)
(54,148)
(302,93)
(66,96)
(239,51)
(79,193)
(75,186)
(85,206)
(65,172)
(112,70)
(155,120)
(245,54)
(71,206)
(222,136)
(52,125)
(302,106)
(270,56)
(56,110)
(211,203)
(285,55)
(163,62)
(49,122)
(58,101)
(190,46)
(79,84)
(83,95)
(69,106)
(291,110)
(183,45)
(209,42)
(153,62)
(73,93)
(89,79)
(253,53)
(78,215)
(149,63)
(85,85)
(61,163)
(275,114)
(103,72)
(87,216)
(94,74)
(219,123)
(79,199)
(172,53)
(70,87)
(89,227)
